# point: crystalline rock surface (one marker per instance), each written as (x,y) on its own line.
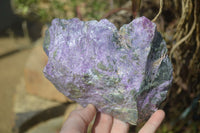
(124,73)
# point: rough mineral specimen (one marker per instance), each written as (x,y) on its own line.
(124,73)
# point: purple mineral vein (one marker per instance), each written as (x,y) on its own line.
(123,73)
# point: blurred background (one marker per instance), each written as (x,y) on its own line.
(30,103)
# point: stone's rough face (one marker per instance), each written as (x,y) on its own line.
(124,73)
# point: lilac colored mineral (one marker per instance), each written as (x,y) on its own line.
(124,73)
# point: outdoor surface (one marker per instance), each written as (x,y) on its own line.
(11,69)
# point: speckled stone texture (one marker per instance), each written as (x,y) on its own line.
(124,73)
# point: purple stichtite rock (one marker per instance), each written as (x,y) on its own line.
(124,73)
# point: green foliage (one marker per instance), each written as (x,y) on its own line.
(96,7)
(46,10)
